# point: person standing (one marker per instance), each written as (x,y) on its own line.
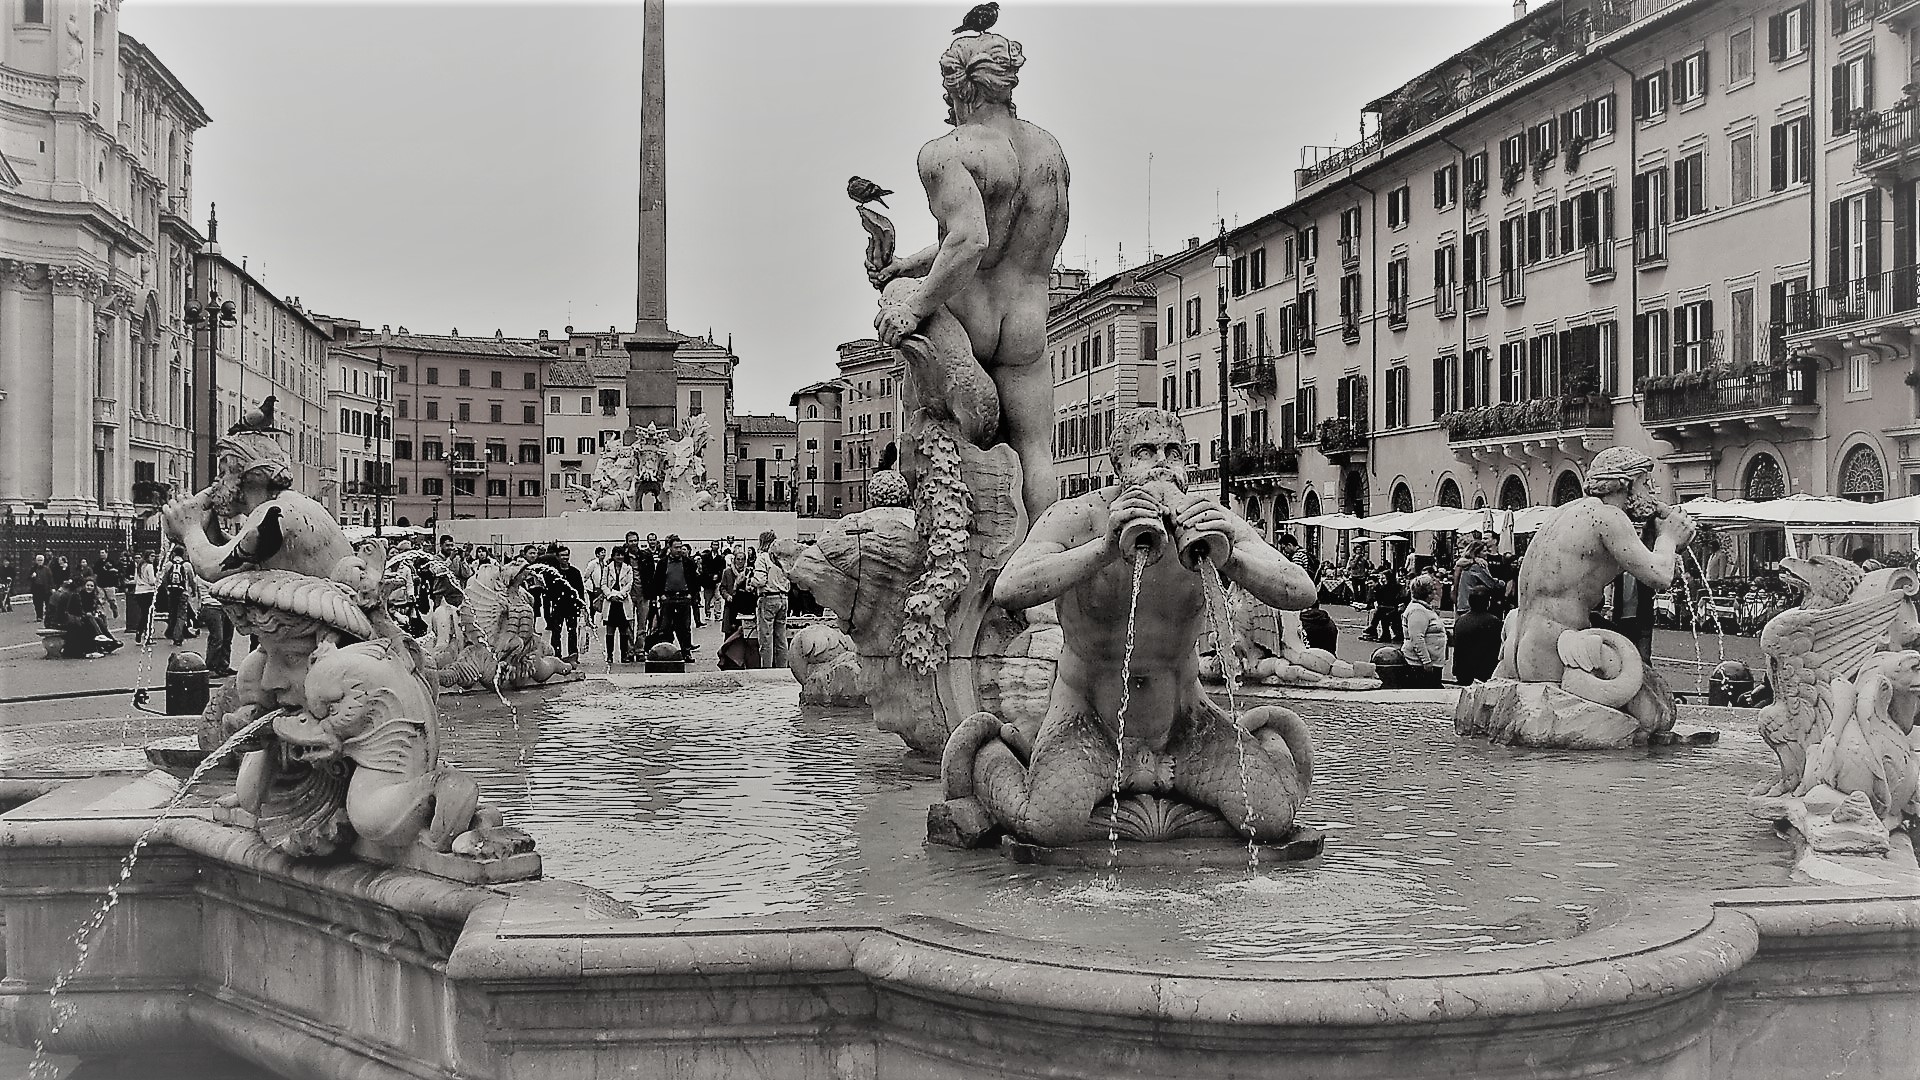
(710,563)
(640,560)
(1426,644)
(140,593)
(1476,641)
(176,584)
(595,580)
(619,580)
(1387,598)
(213,619)
(563,605)
(41,580)
(6,583)
(676,581)
(771,585)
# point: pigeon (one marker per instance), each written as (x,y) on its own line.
(260,419)
(863,191)
(980,19)
(887,457)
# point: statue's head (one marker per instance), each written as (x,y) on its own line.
(293,616)
(977,70)
(1149,444)
(250,459)
(1622,471)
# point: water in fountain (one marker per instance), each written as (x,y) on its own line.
(1719,627)
(1215,593)
(82,937)
(1693,626)
(140,688)
(1120,720)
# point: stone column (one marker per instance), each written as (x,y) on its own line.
(29,376)
(74,292)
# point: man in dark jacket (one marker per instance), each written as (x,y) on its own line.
(711,562)
(676,582)
(41,581)
(564,604)
(1476,640)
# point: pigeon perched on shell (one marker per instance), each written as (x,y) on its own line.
(863,191)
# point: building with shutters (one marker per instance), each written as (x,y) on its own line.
(821,489)
(357,426)
(1102,347)
(1683,225)
(468,424)
(767,472)
(870,413)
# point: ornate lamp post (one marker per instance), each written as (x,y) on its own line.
(379,432)
(216,314)
(1221,264)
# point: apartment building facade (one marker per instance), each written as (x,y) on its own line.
(468,424)
(870,413)
(1102,348)
(821,489)
(585,410)
(358,440)
(1655,222)
(766,469)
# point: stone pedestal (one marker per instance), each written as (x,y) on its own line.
(1541,714)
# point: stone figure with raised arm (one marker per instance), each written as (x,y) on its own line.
(1580,550)
(1184,763)
(998,187)
(282,529)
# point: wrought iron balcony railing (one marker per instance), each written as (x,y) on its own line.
(1443,302)
(1600,260)
(1513,285)
(1650,246)
(1571,412)
(1860,300)
(1342,435)
(1255,374)
(1727,390)
(1476,290)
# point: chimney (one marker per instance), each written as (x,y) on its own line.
(1519,10)
(1192,242)
(386,332)
(456,332)
(543,335)
(497,335)
(403,331)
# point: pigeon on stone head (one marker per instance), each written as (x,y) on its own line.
(863,191)
(260,419)
(980,19)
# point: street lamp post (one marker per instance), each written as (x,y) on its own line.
(1221,264)
(216,314)
(453,473)
(379,451)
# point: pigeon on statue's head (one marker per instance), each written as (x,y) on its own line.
(260,419)
(980,19)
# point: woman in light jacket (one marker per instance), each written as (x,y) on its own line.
(146,582)
(1425,646)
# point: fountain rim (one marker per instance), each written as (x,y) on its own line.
(526,932)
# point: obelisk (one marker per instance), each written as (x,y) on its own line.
(650,378)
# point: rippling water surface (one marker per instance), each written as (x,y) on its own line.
(735,803)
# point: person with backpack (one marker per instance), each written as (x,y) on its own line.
(175,592)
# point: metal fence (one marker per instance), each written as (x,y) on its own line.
(71,536)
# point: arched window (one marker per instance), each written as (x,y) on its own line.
(1862,477)
(1312,508)
(1513,494)
(1449,494)
(813,412)
(1764,480)
(1282,509)
(1567,488)
(1253,511)
(1402,499)
(1353,498)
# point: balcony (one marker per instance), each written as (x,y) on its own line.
(609,410)
(1342,437)
(1397,314)
(1258,469)
(1349,252)
(1476,289)
(1522,430)
(1254,374)
(1443,302)
(106,412)
(1513,285)
(468,467)
(1862,300)
(1878,315)
(1600,260)
(1349,328)
(1768,396)
(1650,247)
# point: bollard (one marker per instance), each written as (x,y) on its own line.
(186,684)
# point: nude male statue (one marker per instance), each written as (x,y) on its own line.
(1177,742)
(1574,557)
(998,186)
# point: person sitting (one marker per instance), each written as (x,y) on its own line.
(1426,639)
(1476,640)
(78,606)
(1318,628)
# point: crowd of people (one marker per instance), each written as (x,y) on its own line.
(639,593)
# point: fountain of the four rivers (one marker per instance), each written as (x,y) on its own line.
(1081,863)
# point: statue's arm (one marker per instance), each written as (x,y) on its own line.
(213,561)
(1653,567)
(1061,552)
(1259,568)
(956,202)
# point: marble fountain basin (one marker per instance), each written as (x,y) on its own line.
(741,887)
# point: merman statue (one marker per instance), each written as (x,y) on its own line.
(1184,766)
(1561,681)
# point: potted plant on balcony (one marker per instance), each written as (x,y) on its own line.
(1575,148)
(1510,177)
(1543,161)
(1476,191)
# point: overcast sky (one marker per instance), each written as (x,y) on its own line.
(474,165)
